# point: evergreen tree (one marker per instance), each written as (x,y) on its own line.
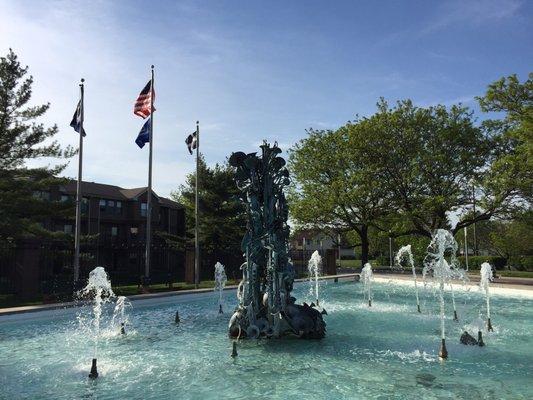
(222,221)
(23,203)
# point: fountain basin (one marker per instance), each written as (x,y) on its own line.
(368,352)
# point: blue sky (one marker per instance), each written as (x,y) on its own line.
(251,70)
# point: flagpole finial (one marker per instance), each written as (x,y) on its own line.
(82,80)
(197,122)
(152,66)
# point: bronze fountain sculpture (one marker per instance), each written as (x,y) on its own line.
(266,307)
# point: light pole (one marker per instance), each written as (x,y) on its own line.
(390,249)
(474,204)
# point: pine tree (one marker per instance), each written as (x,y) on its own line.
(23,138)
(222,221)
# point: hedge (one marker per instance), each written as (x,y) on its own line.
(474,262)
(521,263)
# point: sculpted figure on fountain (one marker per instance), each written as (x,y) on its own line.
(266,307)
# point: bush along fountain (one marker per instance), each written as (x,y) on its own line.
(442,271)
(314,267)
(220,283)
(266,307)
(405,253)
(485,278)
(99,286)
(367,277)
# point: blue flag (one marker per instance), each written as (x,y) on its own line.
(76,119)
(144,134)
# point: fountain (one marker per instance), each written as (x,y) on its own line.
(220,283)
(119,314)
(406,253)
(442,271)
(485,278)
(367,277)
(266,307)
(314,267)
(99,286)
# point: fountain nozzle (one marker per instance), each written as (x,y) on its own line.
(489,326)
(234,350)
(480,342)
(122,329)
(369,303)
(418,308)
(177,317)
(443,352)
(94,371)
(455,316)
(220,309)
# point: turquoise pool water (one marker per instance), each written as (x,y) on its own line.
(387,351)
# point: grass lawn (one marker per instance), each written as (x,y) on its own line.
(516,274)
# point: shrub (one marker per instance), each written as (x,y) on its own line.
(521,263)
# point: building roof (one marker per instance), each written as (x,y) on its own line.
(115,192)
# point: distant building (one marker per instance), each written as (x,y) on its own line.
(115,213)
(310,240)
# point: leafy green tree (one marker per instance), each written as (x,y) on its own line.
(512,170)
(22,138)
(332,190)
(513,238)
(428,160)
(222,220)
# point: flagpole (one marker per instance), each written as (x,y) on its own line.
(78,192)
(196,238)
(149,192)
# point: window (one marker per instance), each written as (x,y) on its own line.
(134,230)
(41,194)
(67,229)
(110,203)
(144,207)
(118,208)
(65,198)
(84,205)
(102,205)
(114,231)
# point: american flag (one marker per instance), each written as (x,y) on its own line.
(144,101)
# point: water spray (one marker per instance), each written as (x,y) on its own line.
(99,285)
(443,271)
(220,282)
(367,277)
(486,277)
(314,267)
(405,252)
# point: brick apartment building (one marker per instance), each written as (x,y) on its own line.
(115,213)
(114,219)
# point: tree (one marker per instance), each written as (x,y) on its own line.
(22,209)
(512,170)
(428,159)
(222,221)
(332,191)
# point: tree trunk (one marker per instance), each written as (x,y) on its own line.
(363,233)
